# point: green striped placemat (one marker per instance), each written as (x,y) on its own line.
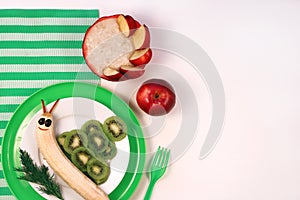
(38,48)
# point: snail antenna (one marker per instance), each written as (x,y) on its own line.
(44,107)
(54,106)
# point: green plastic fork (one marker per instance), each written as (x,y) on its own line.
(158,168)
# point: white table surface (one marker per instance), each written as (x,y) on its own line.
(255,46)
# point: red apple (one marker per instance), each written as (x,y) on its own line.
(106,44)
(127,25)
(131,72)
(156,97)
(141,57)
(141,37)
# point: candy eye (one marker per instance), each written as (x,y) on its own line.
(48,122)
(41,121)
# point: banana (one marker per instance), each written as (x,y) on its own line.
(60,164)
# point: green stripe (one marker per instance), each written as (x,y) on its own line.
(3,124)
(30,13)
(39,44)
(5,191)
(8,107)
(1,174)
(48,76)
(43,29)
(41,60)
(17,91)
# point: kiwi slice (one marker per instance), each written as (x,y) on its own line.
(92,126)
(110,152)
(98,170)
(73,140)
(61,139)
(80,158)
(115,128)
(97,142)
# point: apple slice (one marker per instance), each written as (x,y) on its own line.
(127,25)
(131,72)
(141,57)
(112,74)
(141,37)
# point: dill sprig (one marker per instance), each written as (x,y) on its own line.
(38,174)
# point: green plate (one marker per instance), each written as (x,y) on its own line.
(19,121)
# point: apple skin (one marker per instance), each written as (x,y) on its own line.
(156,97)
(137,24)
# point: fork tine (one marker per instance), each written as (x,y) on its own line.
(156,157)
(164,158)
(161,157)
(166,161)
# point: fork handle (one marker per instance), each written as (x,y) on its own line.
(149,190)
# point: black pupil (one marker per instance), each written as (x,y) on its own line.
(41,121)
(47,122)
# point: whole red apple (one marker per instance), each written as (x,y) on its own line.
(156,97)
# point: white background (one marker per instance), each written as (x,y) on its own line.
(255,46)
